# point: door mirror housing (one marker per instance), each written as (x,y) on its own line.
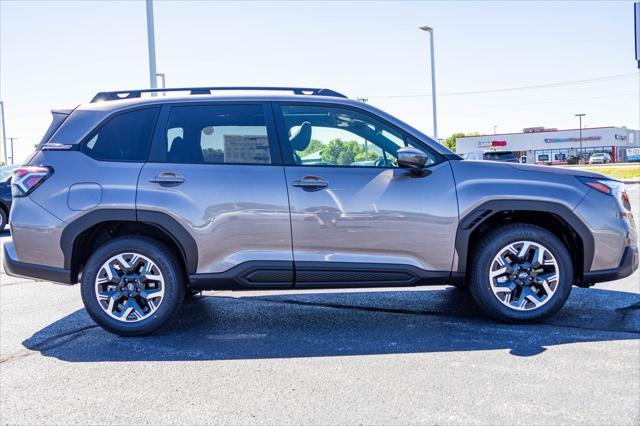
(412,158)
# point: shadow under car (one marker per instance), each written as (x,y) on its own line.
(213,327)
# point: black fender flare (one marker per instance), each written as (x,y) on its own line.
(484,211)
(162,221)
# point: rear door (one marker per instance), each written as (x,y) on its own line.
(216,169)
(356,218)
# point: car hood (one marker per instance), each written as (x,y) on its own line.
(572,171)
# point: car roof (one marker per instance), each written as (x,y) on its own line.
(114,105)
(90,114)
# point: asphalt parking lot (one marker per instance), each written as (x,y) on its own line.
(377,357)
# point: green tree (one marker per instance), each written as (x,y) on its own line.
(450,142)
(341,152)
(371,156)
(314,146)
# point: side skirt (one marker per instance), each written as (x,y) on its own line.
(307,275)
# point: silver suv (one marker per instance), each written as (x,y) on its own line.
(146,200)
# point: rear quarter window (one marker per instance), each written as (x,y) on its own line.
(124,137)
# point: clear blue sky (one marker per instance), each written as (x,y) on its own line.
(57,54)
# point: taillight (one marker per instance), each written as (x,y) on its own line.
(610,187)
(27,178)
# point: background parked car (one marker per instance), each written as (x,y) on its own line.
(5,194)
(599,158)
(504,156)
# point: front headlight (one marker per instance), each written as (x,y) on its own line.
(610,187)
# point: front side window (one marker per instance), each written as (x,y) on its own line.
(333,136)
(218,134)
(125,137)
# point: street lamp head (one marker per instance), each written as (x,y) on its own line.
(426,28)
(580,115)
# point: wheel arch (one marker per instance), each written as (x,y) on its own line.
(85,233)
(551,216)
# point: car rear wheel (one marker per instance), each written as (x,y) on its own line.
(521,273)
(132,286)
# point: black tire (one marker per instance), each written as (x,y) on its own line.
(174,286)
(460,286)
(189,294)
(489,247)
(3,219)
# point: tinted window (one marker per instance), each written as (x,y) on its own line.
(499,156)
(230,134)
(332,136)
(125,137)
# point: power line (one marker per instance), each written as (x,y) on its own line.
(557,101)
(512,89)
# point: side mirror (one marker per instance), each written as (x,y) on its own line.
(411,158)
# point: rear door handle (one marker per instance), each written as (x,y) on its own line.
(168,179)
(310,183)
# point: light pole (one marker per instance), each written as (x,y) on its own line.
(433,81)
(366,146)
(151,42)
(12,159)
(164,86)
(495,126)
(580,152)
(4,135)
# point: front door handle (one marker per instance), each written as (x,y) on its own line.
(168,179)
(310,183)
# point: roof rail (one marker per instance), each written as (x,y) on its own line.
(137,93)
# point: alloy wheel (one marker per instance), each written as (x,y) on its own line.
(524,275)
(129,287)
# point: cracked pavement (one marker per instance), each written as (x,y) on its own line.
(378,356)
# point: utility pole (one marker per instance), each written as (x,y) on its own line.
(12,157)
(151,42)
(4,135)
(164,83)
(433,81)
(580,153)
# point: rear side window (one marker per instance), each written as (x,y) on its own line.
(125,137)
(218,134)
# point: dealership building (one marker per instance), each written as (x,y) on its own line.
(552,146)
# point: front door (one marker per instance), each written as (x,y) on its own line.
(356,218)
(216,170)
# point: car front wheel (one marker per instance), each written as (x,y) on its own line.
(132,286)
(521,273)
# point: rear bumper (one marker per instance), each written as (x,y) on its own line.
(16,268)
(628,265)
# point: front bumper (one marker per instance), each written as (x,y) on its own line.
(16,268)
(628,265)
